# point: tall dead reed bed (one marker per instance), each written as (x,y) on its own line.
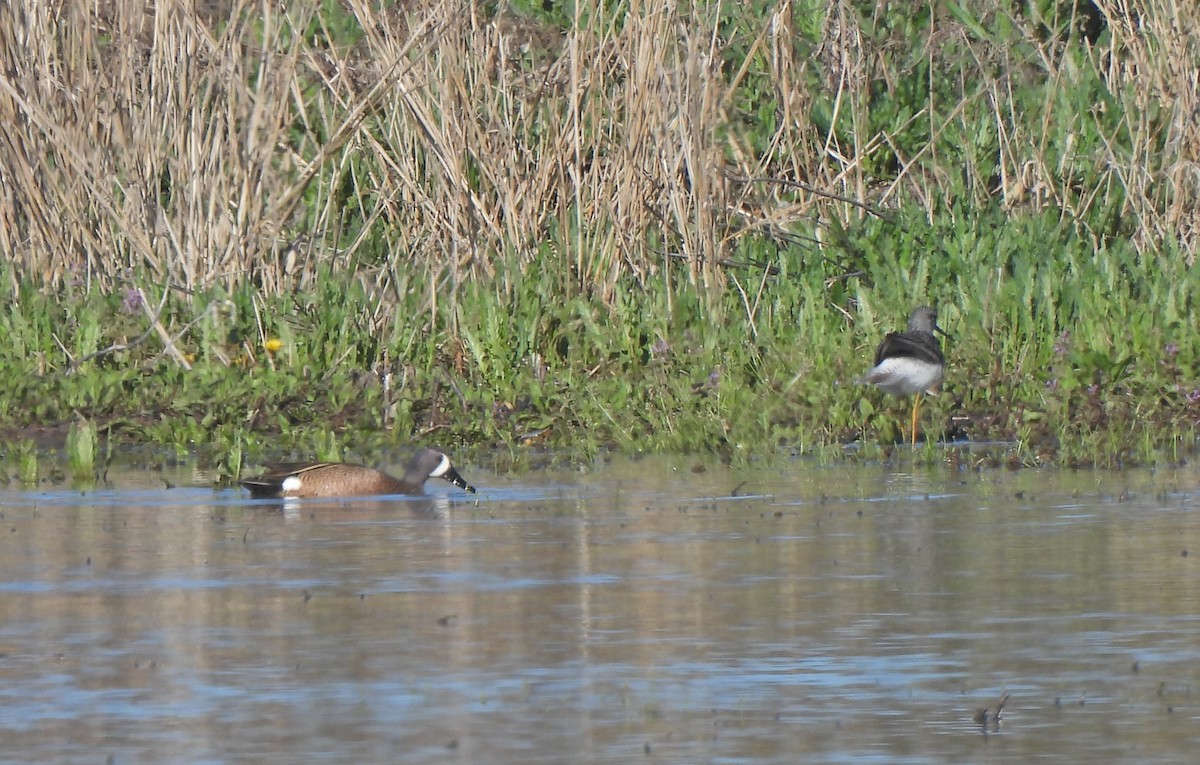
(190,145)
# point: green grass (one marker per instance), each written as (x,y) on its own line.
(1072,355)
(81,448)
(660,227)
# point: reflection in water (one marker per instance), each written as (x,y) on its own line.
(643,612)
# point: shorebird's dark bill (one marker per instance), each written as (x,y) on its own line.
(453,477)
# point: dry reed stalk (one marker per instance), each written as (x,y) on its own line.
(157,139)
(1150,162)
(1152,64)
(202,150)
(613,133)
(144,141)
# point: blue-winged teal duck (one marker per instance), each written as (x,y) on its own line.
(911,361)
(336,479)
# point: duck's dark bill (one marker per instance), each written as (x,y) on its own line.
(453,477)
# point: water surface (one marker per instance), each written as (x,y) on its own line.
(664,610)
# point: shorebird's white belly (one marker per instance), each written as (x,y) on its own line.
(902,376)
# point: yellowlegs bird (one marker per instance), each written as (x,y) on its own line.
(910,362)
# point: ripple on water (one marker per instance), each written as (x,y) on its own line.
(642,611)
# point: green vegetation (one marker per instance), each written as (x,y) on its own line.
(323,233)
(81,451)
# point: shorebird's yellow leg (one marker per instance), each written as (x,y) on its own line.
(916,410)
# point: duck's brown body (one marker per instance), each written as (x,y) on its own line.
(336,479)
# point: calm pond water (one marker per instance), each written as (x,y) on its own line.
(667,610)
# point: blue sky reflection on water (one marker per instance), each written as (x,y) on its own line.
(644,610)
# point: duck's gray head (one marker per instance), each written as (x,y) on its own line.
(434,463)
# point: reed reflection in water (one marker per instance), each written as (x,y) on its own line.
(640,612)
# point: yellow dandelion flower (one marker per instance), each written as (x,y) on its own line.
(272,344)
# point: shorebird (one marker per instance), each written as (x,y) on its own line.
(910,362)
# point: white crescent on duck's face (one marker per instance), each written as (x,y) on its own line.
(442,467)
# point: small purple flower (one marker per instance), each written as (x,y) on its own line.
(1063,343)
(1052,384)
(660,348)
(133,300)
(1194,396)
(1093,389)
(1170,349)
